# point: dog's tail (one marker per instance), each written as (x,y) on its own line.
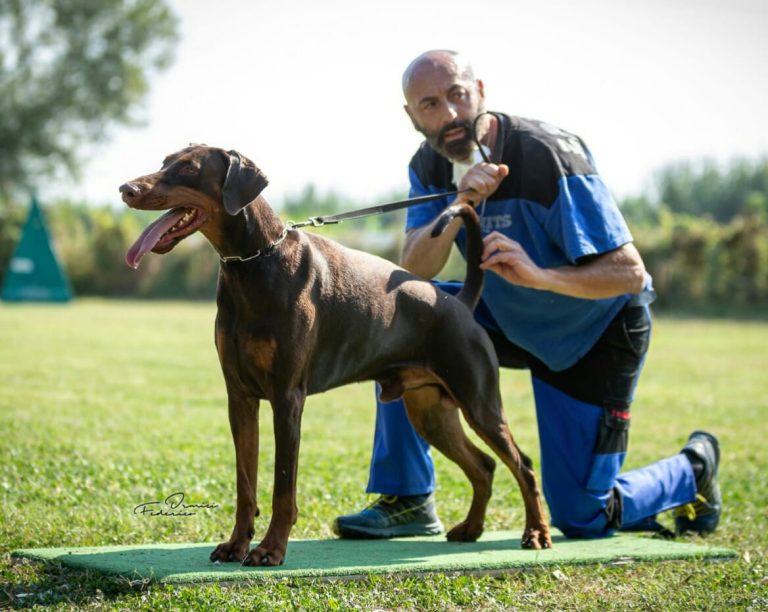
(473,284)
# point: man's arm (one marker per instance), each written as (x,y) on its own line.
(607,275)
(426,256)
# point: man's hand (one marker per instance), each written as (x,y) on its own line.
(482,179)
(507,258)
(607,275)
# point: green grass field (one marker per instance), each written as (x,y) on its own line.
(105,405)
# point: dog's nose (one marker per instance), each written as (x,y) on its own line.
(129,191)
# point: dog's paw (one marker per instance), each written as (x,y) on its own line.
(464,532)
(230,551)
(536,538)
(262,555)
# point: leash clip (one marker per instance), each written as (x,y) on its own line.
(320,221)
(313,221)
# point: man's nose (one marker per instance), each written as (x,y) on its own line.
(449,112)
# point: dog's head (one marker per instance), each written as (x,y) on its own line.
(195,185)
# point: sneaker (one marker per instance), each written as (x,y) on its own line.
(702,515)
(392,516)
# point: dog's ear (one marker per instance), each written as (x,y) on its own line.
(244,181)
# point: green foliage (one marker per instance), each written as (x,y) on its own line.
(704,188)
(68,70)
(378,234)
(105,405)
(310,203)
(700,265)
(704,238)
(697,261)
(12,219)
(91,243)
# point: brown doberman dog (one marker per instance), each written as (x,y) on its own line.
(300,314)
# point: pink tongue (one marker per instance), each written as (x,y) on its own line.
(151,235)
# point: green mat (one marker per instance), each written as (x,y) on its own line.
(494,552)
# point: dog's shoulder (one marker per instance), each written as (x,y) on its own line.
(342,256)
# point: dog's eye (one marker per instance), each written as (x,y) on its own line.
(189,169)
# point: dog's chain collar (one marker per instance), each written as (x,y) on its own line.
(267,249)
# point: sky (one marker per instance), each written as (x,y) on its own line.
(310,90)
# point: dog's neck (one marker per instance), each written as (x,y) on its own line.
(262,224)
(255,228)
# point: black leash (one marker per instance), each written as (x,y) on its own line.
(330,219)
(400,204)
(372,210)
(381,208)
(498,146)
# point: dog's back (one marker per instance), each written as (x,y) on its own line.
(357,316)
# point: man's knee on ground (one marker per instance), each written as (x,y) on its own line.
(586,514)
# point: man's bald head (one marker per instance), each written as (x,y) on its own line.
(443,98)
(437,59)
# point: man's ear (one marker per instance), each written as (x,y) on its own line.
(243,183)
(480,89)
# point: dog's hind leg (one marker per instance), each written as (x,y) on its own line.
(475,388)
(491,425)
(244,423)
(437,421)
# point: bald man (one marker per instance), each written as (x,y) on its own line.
(566,297)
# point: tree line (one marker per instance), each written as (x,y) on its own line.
(703,233)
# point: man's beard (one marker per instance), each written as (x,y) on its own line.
(455,150)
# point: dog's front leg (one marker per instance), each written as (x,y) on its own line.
(244,423)
(287,423)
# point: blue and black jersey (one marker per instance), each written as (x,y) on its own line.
(557,207)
